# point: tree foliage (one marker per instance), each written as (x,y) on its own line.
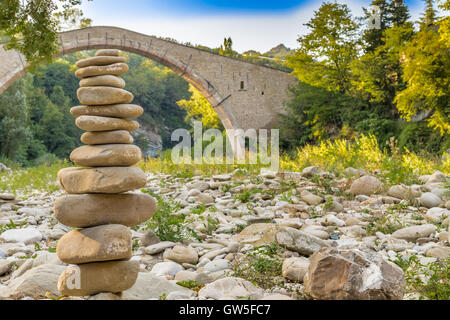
(31,26)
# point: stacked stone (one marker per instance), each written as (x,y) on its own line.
(99,200)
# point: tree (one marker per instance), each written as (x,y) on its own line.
(198,108)
(227,48)
(326,52)
(427,75)
(398,13)
(429,17)
(14,133)
(31,26)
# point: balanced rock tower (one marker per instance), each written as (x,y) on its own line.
(99,203)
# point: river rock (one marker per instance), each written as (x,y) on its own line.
(430,200)
(310,198)
(106,155)
(25,235)
(113,111)
(7,196)
(90,210)
(298,241)
(102,243)
(95,123)
(99,61)
(115,69)
(366,185)
(103,81)
(103,95)
(167,268)
(101,180)
(403,192)
(353,275)
(107,137)
(415,232)
(257,234)
(295,268)
(35,282)
(230,288)
(182,254)
(92,278)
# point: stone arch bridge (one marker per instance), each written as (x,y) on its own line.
(245,95)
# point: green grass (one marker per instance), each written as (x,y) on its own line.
(431,281)
(41,178)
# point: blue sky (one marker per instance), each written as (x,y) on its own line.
(252,24)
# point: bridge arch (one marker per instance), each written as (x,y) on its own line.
(244,95)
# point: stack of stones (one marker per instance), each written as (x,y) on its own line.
(99,203)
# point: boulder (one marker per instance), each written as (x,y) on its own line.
(311,171)
(106,155)
(90,210)
(97,96)
(298,241)
(92,278)
(101,180)
(107,137)
(230,288)
(353,275)
(113,111)
(366,185)
(102,243)
(96,123)
(403,192)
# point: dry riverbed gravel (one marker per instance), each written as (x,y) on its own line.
(309,233)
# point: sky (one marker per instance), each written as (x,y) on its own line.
(253,25)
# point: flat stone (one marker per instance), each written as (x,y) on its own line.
(105,81)
(257,234)
(415,232)
(92,278)
(439,252)
(7,196)
(107,52)
(106,155)
(4,266)
(101,180)
(150,286)
(230,288)
(102,243)
(113,111)
(298,241)
(115,69)
(99,61)
(107,137)
(167,268)
(95,123)
(25,235)
(159,247)
(103,95)
(310,198)
(90,210)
